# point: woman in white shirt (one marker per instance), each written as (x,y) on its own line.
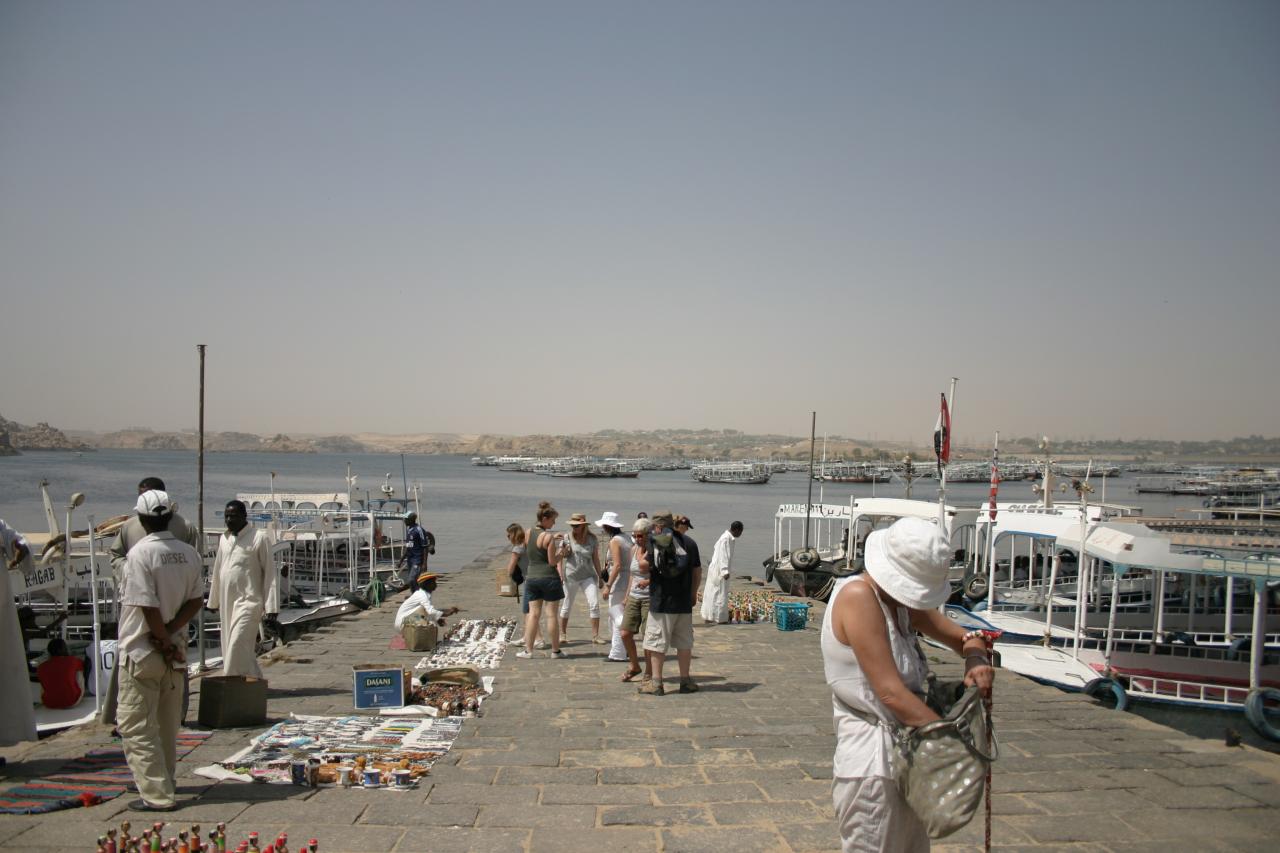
(875,669)
(580,567)
(618,568)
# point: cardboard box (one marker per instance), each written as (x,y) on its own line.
(420,635)
(378,687)
(231,701)
(503,584)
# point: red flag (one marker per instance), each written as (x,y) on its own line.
(942,436)
(995,481)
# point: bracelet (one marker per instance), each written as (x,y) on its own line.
(986,661)
(973,635)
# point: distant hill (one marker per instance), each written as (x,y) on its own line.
(18,437)
(667,443)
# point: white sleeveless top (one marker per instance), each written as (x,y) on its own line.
(618,575)
(863,749)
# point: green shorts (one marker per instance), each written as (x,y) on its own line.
(634,613)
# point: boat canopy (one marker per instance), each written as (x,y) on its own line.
(1132,546)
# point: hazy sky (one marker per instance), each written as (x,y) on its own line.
(558,217)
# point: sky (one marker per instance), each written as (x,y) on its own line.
(557,217)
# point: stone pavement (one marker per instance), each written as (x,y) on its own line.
(566,758)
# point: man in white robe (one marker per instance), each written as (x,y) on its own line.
(715,592)
(242,588)
(17,716)
(420,603)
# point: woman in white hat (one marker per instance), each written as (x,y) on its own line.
(873,666)
(580,566)
(617,564)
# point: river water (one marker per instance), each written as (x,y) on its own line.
(467,507)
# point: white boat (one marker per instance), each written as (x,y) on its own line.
(732,473)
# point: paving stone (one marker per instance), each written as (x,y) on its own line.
(1201,776)
(654,816)
(677,757)
(688,775)
(1203,797)
(813,837)
(596,795)
(483,794)
(613,839)
(566,818)
(754,773)
(686,840)
(726,792)
(351,839)
(601,758)
(1058,829)
(1088,802)
(451,839)
(795,811)
(424,814)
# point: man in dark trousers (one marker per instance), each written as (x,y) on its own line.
(418,543)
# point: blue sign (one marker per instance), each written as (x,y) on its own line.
(379,688)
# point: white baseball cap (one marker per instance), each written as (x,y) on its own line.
(154,503)
(909,561)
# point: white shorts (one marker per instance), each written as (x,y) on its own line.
(668,632)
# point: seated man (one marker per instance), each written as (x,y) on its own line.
(61,677)
(420,601)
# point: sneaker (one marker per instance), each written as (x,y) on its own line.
(523,654)
(539,644)
(651,688)
(559,653)
(599,641)
(688,687)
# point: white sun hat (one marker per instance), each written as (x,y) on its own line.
(610,519)
(909,561)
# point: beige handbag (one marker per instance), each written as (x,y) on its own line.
(941,767)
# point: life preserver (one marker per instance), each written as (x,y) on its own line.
(975,587)
(1102,688)
(1256,713)
(805,559)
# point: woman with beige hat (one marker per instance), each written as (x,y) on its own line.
(875,669)
(580,567)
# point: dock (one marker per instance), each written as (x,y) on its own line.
(565,758)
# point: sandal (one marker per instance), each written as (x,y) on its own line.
(688,687)
(630,675)
(652,688)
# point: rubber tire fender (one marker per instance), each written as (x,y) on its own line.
(1238,645)
(769,566)
(1255,712)
(1100,688)
(976,587)
(805,559)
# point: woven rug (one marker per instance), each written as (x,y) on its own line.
(97,776)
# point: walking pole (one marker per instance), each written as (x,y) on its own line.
(987,702)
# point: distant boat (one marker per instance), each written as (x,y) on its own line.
(732,473)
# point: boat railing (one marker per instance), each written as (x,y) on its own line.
(1196,692)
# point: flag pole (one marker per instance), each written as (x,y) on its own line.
(942,476)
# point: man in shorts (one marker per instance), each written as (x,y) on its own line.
(671,598)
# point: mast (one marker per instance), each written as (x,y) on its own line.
(200,503)
(808,504)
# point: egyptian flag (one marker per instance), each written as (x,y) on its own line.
(995,480)
(942,436)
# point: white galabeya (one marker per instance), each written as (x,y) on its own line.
(909,561)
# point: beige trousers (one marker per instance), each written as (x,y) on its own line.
(148,713)
(874,818)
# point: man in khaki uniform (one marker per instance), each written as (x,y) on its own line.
(161,590)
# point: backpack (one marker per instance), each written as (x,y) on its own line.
(669,559)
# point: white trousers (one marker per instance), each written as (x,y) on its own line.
(588,586)
(147,716)
(874,818)
(617,605)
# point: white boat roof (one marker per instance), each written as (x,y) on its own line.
(294,499)
(1133,546)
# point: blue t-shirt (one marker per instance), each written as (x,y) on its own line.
(418,541)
